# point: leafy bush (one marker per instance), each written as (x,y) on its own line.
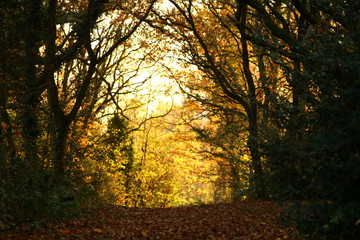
(32,197)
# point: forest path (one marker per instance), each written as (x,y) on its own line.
(247,220)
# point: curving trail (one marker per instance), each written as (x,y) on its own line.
(246,220)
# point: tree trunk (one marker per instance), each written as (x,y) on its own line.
(235,180)
(253,145)
(31,88)
(59,137)
(59,125)
(253,142)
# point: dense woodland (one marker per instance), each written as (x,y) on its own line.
(168,103)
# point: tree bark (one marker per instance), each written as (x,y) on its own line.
(59,140)
(31,88)
(253,140)
(253,145)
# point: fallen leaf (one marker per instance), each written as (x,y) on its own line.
(250,220)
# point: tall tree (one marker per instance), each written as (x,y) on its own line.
(224,58)
(315,43)
(83,30)
(57,57)
(313,47)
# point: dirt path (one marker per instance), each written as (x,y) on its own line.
(246,220)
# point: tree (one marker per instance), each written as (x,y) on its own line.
(224,58)
(309,105)
(69,69)
(174,172)
(314,43)
(226,134)
(52,81)
(95,57)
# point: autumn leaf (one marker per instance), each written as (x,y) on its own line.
(248,220)
(66,231)
(97,230)
(144,234)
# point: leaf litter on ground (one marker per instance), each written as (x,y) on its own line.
(245,220)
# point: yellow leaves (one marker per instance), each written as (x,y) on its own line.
(144,234)
(97,230)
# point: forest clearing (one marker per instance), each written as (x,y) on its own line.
(246,220)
